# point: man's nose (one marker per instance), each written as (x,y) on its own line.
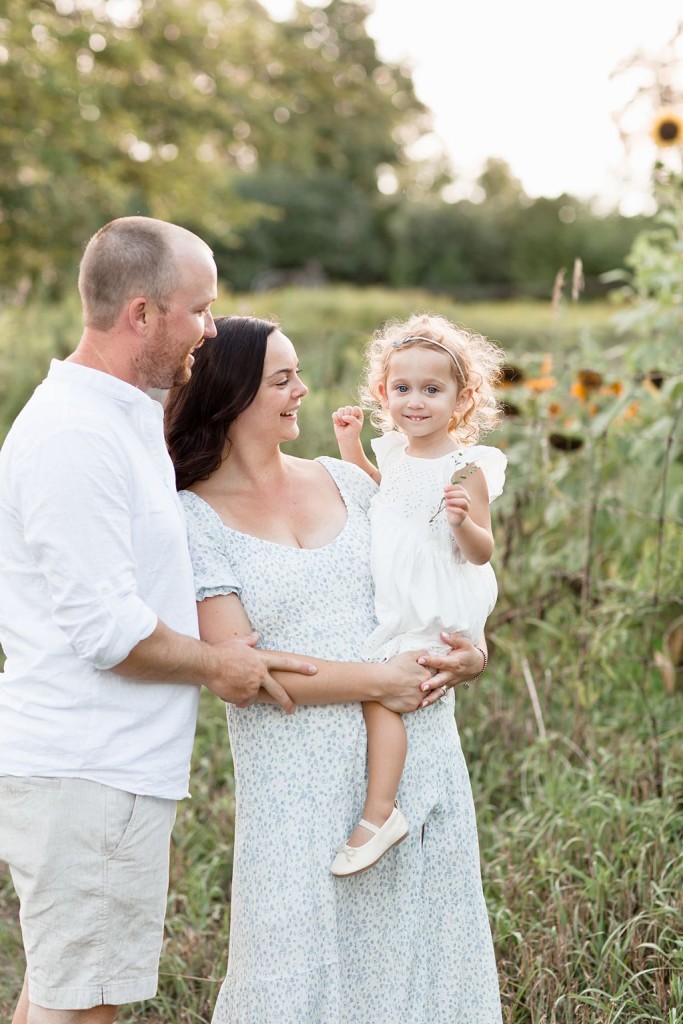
(209,326)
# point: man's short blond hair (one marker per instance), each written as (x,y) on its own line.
(128,257)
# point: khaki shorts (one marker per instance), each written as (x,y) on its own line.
(90,866)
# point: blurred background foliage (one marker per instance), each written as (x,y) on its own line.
(267,138)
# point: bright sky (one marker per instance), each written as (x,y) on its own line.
(528,80)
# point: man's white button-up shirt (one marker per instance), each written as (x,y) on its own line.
(93,552)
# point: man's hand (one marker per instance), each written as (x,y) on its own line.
(241,672)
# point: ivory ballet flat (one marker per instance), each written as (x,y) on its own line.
(352,860)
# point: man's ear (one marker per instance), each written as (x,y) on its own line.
(138,314)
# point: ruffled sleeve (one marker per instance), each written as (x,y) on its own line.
(214,574)
(492,463)
(387,447)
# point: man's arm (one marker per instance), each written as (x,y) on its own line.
(77,523)
(234,671)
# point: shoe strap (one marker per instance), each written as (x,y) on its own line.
(369,826)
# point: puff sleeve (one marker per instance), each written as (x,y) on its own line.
(492,463)
(214,573)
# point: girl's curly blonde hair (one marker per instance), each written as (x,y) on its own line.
(476,363)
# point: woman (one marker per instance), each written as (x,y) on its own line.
(281,545)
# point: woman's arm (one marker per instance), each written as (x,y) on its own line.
(400,684)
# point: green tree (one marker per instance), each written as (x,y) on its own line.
(336,114)
(161,113)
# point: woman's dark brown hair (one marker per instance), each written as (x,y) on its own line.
(226,375)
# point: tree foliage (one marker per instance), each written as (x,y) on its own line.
(265,137)
(161,111)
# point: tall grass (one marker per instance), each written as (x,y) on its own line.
(573,737)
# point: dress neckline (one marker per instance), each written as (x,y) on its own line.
(434,458)
(274,543)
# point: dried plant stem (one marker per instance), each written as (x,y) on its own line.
(556,299)
(533,696)
(661,520)
(591,511)
(654,726)
(190,977)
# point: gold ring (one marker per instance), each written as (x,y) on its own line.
(444,690)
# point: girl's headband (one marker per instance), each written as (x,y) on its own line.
(437,344)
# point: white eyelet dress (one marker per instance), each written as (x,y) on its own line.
(408,942)
(422,583)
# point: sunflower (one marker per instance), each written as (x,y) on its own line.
(615,388)
(510,375)
(667,129)
(587,382)
(539,384)
(565,442)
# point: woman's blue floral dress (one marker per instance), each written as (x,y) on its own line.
(407,942)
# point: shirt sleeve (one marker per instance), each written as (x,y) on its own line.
(73,496)
(214,573)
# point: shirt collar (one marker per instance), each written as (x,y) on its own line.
(96,380)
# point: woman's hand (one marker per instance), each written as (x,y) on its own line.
(405,681)
(463,662)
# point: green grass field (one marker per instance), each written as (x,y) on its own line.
(574,737)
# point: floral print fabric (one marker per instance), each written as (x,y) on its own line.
(408,942)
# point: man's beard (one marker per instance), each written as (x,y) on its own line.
(152,365)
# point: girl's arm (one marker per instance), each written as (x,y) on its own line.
(348,422)
(400,684)
(469,517)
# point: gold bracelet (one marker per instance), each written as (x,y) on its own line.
(483,668)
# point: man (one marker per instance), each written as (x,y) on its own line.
(98,700)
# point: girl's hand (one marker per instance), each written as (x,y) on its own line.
(347,422)
(457,502)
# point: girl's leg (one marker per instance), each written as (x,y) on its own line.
(387,747)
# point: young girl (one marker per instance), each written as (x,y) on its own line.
(430,387)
